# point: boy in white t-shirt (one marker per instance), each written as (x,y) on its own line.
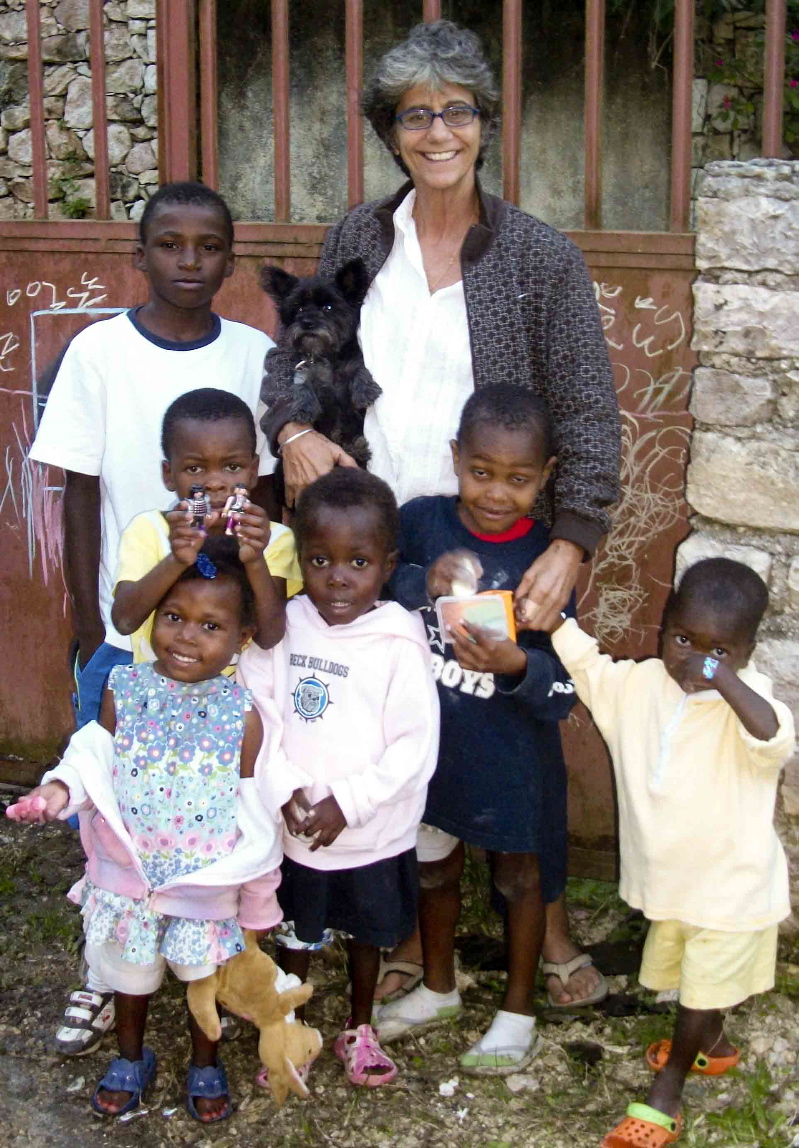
(102,426)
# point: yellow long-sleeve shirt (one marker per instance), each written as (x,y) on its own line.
(696,791)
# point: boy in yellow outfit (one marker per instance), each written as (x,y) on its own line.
(697,743)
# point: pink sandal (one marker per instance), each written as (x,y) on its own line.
(360,1053)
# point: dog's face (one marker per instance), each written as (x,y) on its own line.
(318,316)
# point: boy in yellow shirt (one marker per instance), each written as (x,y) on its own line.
(208,441)
(697,743)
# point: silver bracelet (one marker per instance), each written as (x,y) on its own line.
(299,434)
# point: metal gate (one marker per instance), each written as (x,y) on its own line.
(57,275)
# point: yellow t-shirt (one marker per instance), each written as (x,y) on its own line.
(145,543)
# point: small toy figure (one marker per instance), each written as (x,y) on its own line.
(235,506)
(199,505)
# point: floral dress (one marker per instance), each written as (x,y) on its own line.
(176,774)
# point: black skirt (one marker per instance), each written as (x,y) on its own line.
(375,904)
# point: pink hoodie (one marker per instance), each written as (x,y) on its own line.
(241,884)
(360,720)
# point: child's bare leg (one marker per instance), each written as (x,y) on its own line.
(517,877)
(364,965)
(296,961)
(695,1030)
(203,1055)
(131,1017)
(439,909)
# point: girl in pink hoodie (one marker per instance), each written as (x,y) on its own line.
(182,854)
(353,683)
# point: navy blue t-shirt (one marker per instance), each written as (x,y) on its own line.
(500,781)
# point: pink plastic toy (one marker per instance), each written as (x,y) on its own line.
(21,809)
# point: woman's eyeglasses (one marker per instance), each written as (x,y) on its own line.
(419,119)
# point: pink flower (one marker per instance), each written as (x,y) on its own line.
(795,35)
(178,820)
(719,63)
(165,840)
(726,101)
(793,83)
(192,840)
(208,847)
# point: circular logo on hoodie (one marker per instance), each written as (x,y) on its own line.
(311,698)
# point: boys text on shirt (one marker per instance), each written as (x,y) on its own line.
(500,782)
(359,720)
(145,543)
(103,416)
(696,791)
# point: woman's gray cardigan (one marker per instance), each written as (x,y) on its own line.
(533,322)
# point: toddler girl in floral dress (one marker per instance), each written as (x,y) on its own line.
(182,854)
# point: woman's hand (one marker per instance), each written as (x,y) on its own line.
(545,588)
(42,804)
(308,458)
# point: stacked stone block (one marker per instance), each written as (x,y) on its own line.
(131,108)
(743,478)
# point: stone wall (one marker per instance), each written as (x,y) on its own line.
(743,478)
(131,107)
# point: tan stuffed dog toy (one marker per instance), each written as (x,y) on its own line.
(246,986)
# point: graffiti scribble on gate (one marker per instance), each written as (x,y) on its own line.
(654,445)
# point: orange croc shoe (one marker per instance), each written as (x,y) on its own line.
(658,1053)
(643,1127)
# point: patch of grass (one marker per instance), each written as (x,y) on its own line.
(599,896)
(754,1121)
(47,926)
(8,885)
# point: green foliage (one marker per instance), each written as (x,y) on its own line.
(754,1122)
(77,208)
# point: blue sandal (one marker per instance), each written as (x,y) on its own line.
(123,1075)
(207,1084)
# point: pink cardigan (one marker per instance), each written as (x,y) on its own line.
(241,885)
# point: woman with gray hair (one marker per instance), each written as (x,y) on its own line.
(467,290)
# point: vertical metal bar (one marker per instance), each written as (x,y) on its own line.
(36,97)
(512,97)
(594,84)
(280,109)
(431,10)
(775,77)
(682,85)
(209,154)
(176,89)
(102,191)
(354,70)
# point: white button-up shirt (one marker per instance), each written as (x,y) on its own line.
(417,347)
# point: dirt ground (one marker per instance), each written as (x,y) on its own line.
(590,1067)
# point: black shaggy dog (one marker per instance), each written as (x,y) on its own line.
(318,325)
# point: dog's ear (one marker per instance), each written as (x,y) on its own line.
(277,283)
(352,281)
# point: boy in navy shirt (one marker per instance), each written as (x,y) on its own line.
(500,782)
